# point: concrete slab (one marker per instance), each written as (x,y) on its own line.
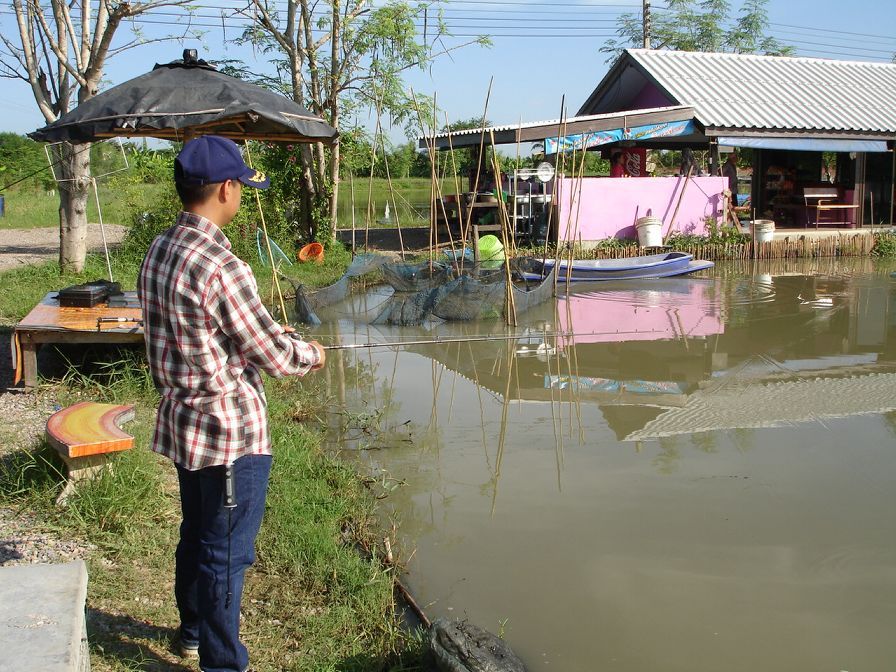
(42,621)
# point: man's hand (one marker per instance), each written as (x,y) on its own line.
(320,351)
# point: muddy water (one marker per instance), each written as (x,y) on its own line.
(697,476)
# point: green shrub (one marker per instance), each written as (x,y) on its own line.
(884,244)
(20,157)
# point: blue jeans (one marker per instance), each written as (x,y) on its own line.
(216,547)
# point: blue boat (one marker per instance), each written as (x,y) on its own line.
(627,268)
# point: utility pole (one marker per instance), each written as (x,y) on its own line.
(646,24)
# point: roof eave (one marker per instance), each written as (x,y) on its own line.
(573,126)
(715,131)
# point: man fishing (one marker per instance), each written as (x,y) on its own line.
(208,337)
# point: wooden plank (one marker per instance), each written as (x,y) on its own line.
(49,315)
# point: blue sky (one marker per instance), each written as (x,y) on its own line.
(541,51)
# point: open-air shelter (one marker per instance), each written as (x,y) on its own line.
(811,123)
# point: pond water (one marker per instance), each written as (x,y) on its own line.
(697,475)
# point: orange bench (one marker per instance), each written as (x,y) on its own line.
(84,435)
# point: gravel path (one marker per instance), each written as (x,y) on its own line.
(23,540)
(23,416)
(20,247)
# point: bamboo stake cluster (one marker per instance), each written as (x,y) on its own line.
(857,244)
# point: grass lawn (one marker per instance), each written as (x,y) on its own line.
(28,208)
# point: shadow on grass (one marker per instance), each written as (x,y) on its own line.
(132,644)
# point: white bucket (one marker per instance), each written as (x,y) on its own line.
(764,230)
(650,231)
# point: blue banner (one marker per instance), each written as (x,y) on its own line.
(582,141)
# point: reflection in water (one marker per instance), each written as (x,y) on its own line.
(655,475)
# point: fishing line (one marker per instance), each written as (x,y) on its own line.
(471,339)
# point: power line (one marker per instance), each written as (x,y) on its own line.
(842,46)
(783,33)
(828,30)
(449,16)
(499,30)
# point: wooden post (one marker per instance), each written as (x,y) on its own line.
(860,189)
(892,184)
(714,162)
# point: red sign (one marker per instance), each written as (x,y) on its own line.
(635,161)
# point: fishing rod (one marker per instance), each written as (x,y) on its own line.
(471,339)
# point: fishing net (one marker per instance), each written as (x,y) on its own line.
(407,309)
(468,298)
(460,291)
(416,277)
(309,301)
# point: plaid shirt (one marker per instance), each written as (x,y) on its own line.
(207,337)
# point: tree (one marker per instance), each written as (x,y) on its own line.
(20,158)
(699,25)
(464,160)
(338,56)
(61,52)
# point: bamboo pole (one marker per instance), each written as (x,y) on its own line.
(580,183)
(516,168)
(555,196)
(371,205)
(457,197)
(475,184)
(382,142)
(351,181)
(510,312)
(435,186)
(267,240)
(684,187)
(558,188)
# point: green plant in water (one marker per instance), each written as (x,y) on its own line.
(364,421)
(884,244)
(502,627)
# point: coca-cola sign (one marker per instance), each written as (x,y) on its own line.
(635,160)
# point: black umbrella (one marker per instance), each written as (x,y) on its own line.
(188,97)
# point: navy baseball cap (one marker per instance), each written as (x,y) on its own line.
(210,159)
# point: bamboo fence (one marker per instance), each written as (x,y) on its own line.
(788,247)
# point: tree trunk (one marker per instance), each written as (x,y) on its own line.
(74,190)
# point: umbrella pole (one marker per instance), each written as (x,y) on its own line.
(267,240)
(99,213)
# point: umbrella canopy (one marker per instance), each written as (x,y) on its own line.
(188,97)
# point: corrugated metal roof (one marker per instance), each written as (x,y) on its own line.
(742,91)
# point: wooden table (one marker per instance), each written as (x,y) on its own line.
(48,322)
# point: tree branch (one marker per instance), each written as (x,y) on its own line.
(61,56)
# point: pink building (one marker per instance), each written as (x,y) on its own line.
(595,208)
